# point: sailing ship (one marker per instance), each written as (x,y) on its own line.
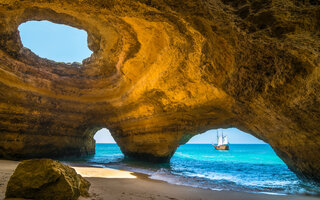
(222,141)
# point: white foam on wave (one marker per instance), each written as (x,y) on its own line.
(273,193)
(164,175)
(268,183)
(214,176)
(194,180)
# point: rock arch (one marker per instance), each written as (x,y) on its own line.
(161,72)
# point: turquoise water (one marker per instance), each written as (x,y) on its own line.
(245,167)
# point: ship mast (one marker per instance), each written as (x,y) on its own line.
(217,136)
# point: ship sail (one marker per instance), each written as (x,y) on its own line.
(225,140)
(220,142)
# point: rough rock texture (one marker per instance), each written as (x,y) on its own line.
(163,71)
(46,179)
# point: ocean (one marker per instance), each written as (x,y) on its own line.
(251,168)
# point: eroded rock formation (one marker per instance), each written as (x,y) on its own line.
(163,71)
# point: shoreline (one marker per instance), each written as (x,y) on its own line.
(148,177)
(109,183)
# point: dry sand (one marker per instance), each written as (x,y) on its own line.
(111,184)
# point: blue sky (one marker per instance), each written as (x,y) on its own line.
(56,42)
(63,43)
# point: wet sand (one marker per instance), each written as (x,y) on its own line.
(111,184)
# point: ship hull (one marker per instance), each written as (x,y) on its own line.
(221,147)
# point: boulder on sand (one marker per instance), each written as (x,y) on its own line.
(46,179)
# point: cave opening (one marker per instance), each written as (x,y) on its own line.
(243,147)
(249,163)
(106,148)
(57,42)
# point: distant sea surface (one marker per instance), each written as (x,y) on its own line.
(245,167)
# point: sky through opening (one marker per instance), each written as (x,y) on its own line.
(57,42)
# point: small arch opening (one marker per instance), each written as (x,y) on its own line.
(57,42)
(107,150)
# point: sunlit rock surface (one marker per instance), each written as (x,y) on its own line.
(161,72)
(46,179)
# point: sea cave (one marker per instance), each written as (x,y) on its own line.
(162,72)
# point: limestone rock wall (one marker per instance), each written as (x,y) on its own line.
(161,72)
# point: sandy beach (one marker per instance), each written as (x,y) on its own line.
(109,184)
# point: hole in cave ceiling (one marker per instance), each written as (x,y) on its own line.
(57,42)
